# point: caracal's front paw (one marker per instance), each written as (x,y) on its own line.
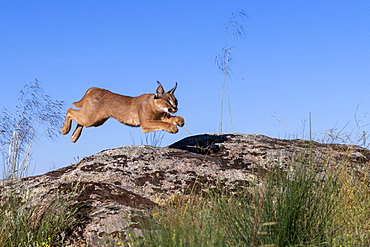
(173,129)
(180,121)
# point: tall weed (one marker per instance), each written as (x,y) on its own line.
(36,115)
(225,59)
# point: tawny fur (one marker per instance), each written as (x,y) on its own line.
(151,112)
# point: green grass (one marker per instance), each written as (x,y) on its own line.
(299,207)
(48,221)
(44,223)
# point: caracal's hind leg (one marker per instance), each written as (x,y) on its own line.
(75,115)
(77,133)
(67,123)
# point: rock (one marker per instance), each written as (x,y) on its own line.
(118,186)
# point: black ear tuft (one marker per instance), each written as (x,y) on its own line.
(172,91)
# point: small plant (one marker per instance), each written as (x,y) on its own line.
(303,206)
(351,212)
(225,59)
(152,138)
(36,115)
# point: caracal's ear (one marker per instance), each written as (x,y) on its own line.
(172,91)
(160,91)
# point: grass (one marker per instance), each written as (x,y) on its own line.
(36,116)
(152,138)
(296,207)
(23,222)
(46,223)
(224,60)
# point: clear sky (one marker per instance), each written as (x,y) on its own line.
(296,57)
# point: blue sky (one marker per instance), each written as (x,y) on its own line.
(296,57)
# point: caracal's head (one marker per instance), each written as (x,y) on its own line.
(165,102)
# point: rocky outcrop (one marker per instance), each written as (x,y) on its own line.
(120,185)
